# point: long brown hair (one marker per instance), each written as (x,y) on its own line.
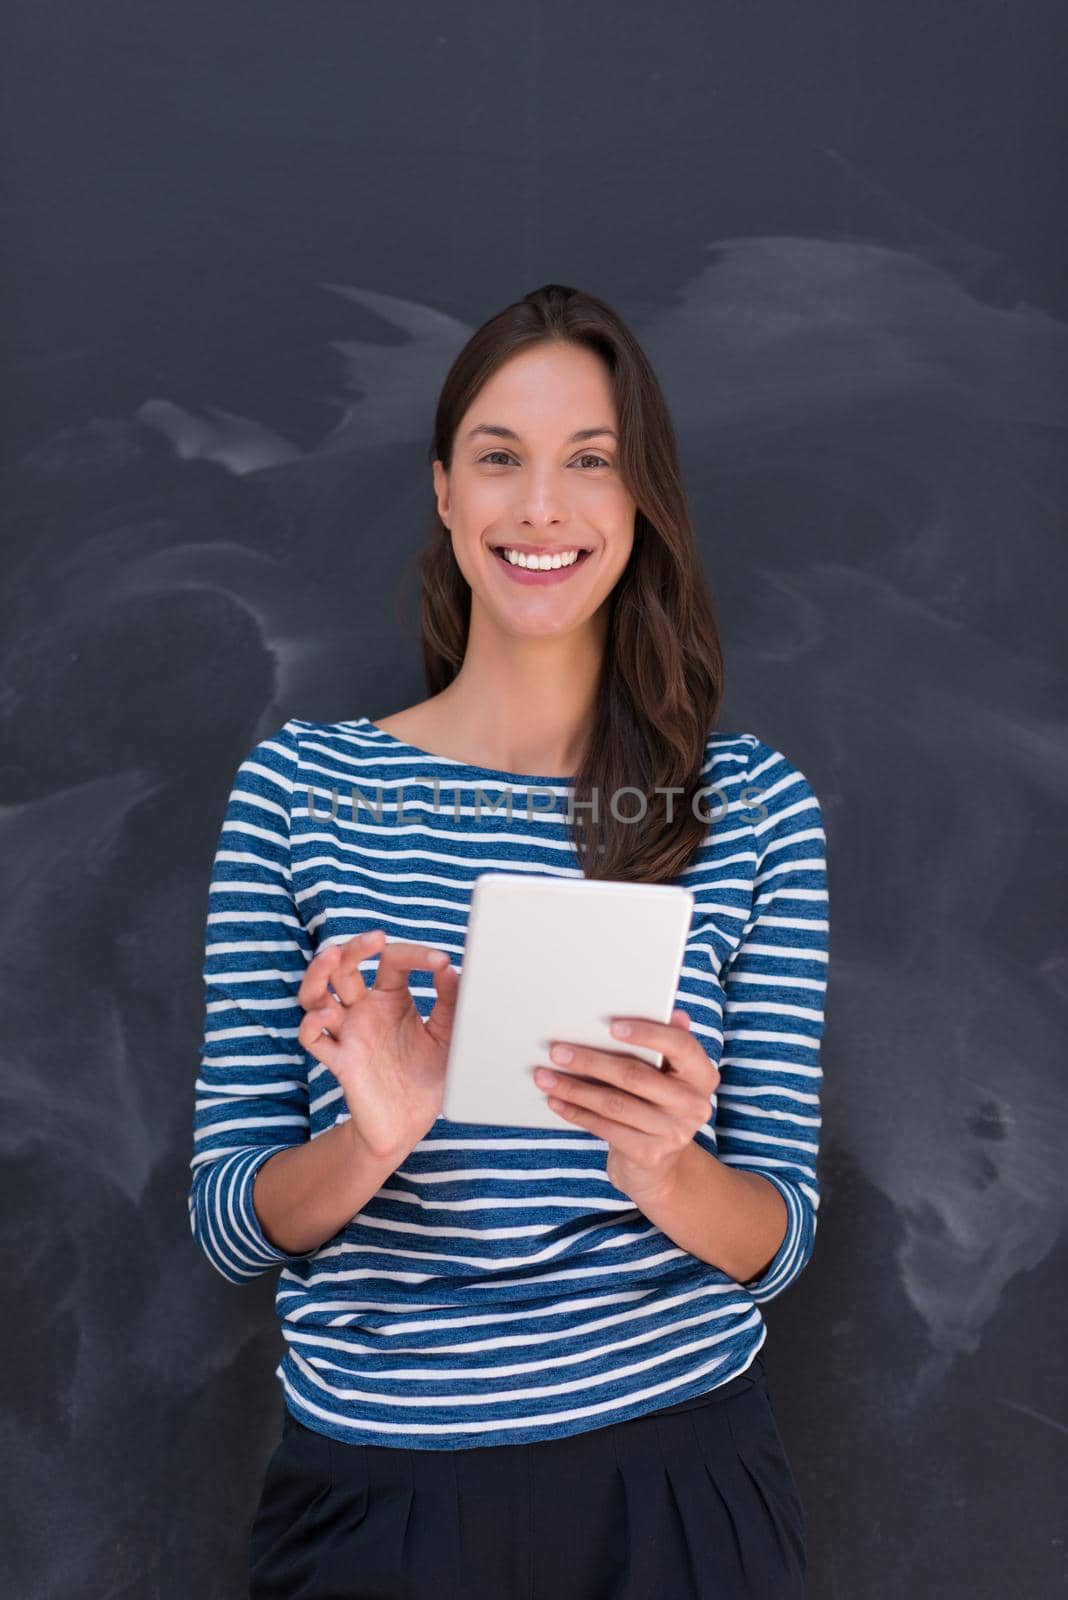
(661,679)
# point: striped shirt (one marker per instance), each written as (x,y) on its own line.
(497,1289)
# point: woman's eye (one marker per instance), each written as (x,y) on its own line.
(588,455)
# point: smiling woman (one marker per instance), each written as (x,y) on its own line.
(563,576)
(523,1350)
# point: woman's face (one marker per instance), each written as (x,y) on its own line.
(521,480)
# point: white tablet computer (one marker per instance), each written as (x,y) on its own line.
(546,959)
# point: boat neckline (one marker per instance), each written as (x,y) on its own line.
(382,735)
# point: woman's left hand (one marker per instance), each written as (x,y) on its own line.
(647,1116)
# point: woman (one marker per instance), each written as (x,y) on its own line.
(519,1362)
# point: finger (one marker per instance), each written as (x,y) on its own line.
(439,1023)
(330,1015)
(622,1071)
(579,1101)
(313,989)
(628,1142)
(310,1035)
(401,958)
(682,1050)
(336,967)
(347,980)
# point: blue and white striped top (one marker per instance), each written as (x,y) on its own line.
(497,1289)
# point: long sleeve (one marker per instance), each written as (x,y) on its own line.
(252,1091)
(768,1118)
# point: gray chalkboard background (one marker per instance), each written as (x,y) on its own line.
(244,241)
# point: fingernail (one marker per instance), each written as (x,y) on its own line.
(621,1029)
(561,1053)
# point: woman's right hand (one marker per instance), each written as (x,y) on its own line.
(389,1062)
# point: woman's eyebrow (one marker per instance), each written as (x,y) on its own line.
(509,433)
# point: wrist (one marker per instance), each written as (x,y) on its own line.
(366,1155)
(663,1189)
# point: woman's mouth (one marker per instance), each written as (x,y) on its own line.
(519,573)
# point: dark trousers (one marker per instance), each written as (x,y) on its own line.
(696,1500)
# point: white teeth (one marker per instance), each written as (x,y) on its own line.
(543,563)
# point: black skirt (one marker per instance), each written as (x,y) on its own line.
(696,1500)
